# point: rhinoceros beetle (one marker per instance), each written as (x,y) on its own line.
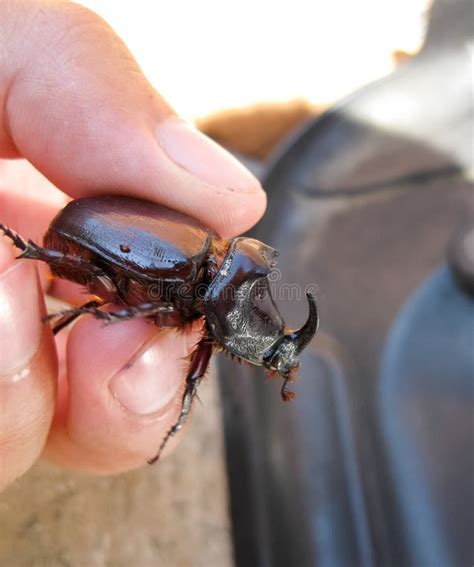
(167,267)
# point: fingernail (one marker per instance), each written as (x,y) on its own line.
(20,313)
(203,158)
(150,381)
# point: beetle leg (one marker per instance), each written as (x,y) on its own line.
(286,395)
(68,316)
(132,312)
(57,260)
(17,240)
(199,362)
(92,307)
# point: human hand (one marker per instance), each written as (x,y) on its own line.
(77,108)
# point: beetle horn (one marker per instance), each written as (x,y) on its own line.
(302,336)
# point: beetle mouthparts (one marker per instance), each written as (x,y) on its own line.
(303,336)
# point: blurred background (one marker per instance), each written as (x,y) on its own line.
(358,118)
(209,56)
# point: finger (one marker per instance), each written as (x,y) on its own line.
(27,367)
(28,203)
(78,107)
(123,393)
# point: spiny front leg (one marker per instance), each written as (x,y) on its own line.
(199,362)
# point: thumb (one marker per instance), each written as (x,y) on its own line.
(76,105)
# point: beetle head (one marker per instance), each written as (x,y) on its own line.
(242,316)
(283,356)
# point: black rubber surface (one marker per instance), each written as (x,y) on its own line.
(372,464)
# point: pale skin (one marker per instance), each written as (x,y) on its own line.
(77,114)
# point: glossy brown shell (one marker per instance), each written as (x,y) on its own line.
(139,236)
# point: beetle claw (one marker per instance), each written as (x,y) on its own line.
(287,395)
